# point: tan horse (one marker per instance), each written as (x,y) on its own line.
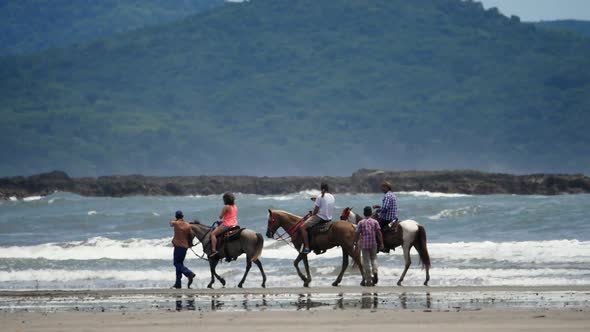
(341,233)
(412,235)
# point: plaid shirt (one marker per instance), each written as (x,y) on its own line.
(368,229)
(388,210)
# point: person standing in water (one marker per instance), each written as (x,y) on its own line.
(228,217)
(322,212)
(182,241)
(369,234)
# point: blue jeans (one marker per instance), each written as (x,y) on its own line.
(179,255)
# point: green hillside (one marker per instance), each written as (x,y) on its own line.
(270,87)
(33,25)
(582,27)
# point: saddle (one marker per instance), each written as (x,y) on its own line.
(226,237)
(319,228)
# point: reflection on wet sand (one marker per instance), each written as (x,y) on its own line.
(306,301)
(405,300)
(189,303)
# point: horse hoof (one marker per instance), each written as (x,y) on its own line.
(306,284)
(222,282)
(210,286)
(239,285)
(426,283)
(399,283)
(335,284)
(263,286)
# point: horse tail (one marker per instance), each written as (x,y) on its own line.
(420,245)
(259,245)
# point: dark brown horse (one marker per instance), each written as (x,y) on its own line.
(410,234)
(249,243)
(341,233)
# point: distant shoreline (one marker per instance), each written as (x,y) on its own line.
(362,181)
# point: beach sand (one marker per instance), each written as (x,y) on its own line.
(292,321)
(300,309)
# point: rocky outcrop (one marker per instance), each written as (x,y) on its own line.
(362,181)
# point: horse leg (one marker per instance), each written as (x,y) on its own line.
(296,264)
(344,266)
(408,261)
(248,266)
(221,280)
(420,251)
(212,265)
(259,264)
(306,264)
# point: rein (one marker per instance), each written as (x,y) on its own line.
(201,242)
(288,231)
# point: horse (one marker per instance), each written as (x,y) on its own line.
(340,233)
(249,242)
(412,235)
(350,216)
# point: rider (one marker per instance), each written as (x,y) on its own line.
(322,212)
(387,212)
(181,241)
(229,218)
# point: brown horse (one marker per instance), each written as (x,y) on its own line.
(341,233)
(411,235)
(249,242)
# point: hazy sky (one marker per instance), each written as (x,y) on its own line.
(537,10)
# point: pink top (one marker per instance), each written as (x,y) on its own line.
(230,218)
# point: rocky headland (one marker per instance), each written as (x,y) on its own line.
(362,181)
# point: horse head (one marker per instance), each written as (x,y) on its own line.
(345,213)
(272,224)
(349,215)
(199,230)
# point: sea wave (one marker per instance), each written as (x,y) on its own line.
(305,194)
(429,194)
(453,213)
(530,252)
(64,278)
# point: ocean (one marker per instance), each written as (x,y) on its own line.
(66,241)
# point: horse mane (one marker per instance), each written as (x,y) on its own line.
(286,213)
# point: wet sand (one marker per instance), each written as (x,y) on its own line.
(297,309)
(292,321)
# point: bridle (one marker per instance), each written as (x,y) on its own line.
(345,213)
(288,231)
(210,228)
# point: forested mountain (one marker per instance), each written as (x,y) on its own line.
(270,87)
(582,27)
(33,25)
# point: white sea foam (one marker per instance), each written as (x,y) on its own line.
(32,198)
(94,248)
(538,252)
(321,275)
(12,198)
(429,194)
(305,194)
(452,213)
(91,213)
(530,252)
(276,198)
